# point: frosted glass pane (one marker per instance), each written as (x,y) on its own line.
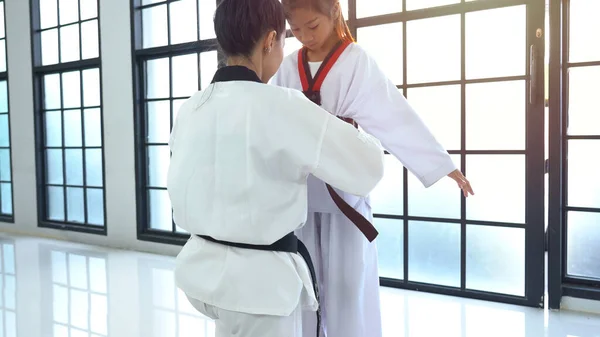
(157,83)
(439,58)
(185,75)
(69,43)
(366,8)
(48,13)
(53,127)
(92,121)
(80,307)
(7,205)
(442,200)
(184,21)
(74,166)
(584,112)
(91,87)
(583,180)
(75,205)
(154,22)
(388,195)
(584,27)
(59,267)
(390,247)
(291,45)
(60,310)
(207,10)
(88,9)
(496,259)
(487,124)
(56,203)
(54,166)
(159,121)
(209,63)
(441,114)
(52,91)
(2,16)
(411,5)
(98,314)
(95,206)
(3,96)
(387,52)
(93,167)
(90,46)
(159,158)
(160,210)
(69,11)
(72,127)
(434,253)
(583,244)
(4,134)
(2,55)
(71,89)
(493,48)
(97,274)
(499,181)
(49,47)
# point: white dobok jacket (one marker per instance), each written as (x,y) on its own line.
(241,154)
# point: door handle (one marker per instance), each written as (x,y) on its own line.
(532,75)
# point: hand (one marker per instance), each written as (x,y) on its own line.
(462,182)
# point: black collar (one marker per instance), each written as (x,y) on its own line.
(235,73)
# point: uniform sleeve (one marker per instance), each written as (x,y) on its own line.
(349,160)
(346,158)
(381,110)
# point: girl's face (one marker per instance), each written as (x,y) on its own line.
(311,28)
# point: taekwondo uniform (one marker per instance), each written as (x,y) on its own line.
(350,85)
(241,154)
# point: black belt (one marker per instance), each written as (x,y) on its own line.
(288,244)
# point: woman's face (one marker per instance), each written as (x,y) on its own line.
(273,58)
(311,28)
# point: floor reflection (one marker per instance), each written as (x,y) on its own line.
(8,284)
(69,290)
(79,293)
(172,314)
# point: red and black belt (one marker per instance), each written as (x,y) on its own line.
(311,87)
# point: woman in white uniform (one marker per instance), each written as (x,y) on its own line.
(241,154)
(345,80)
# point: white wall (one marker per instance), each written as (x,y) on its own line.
(119,141)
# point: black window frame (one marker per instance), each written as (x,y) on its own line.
(140,56)
(560,283)
(39,71)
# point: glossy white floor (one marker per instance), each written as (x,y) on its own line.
(59,289)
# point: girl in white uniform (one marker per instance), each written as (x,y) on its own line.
(241,154)
(339,75)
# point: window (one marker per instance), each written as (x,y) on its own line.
(6,207)
(68,110)
(175,54)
